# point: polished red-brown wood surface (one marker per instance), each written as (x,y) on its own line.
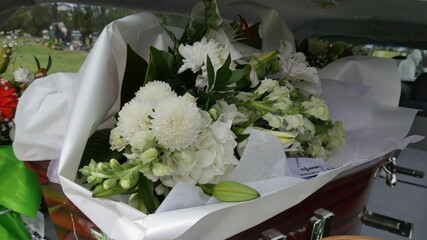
(69,222)
(345,197)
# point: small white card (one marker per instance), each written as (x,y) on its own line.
(307,167)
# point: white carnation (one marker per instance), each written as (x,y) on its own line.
(155,91)
(176,123)
(23,75)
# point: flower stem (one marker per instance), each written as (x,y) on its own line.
(119,174)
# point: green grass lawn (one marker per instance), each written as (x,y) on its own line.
(62,60)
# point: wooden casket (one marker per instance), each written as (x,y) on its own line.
(343,198)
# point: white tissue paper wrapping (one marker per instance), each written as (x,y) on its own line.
(87,100)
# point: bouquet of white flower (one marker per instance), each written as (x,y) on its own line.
(196,104)
(192,112)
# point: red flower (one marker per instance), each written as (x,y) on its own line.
(8,100)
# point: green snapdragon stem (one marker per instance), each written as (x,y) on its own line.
(265,107)
(262,106)
(120,174)
(20,192)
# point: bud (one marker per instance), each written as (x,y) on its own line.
(86,171)
(92,165)
(129,180)
(160,170)
(109,183)
(214,113)
(115,165)
(265,64)
(149,155)
(94,180)
(102,167)
(228,191)
(285,137)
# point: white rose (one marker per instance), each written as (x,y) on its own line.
(317,108)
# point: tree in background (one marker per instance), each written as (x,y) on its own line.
(87,19)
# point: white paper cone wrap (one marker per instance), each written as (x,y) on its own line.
(60,129)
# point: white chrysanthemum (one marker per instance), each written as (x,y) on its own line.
(195,58)
(134,118)
(23,75)
(176,123)
(196,55)
(155,91)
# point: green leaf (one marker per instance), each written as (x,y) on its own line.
(223,74)
(241,137)
(236,76)
(146,193)
(37,62)
(134,77)
(98,148)
(160,65)
(211,72)
(49,63)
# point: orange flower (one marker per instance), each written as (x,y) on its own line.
(8,101)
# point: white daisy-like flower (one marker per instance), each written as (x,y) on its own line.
(23,75)
(134,118)
(176,123)
(155,91)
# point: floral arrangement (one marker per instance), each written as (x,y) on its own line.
(320,52)
(10,90)
(187,114)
